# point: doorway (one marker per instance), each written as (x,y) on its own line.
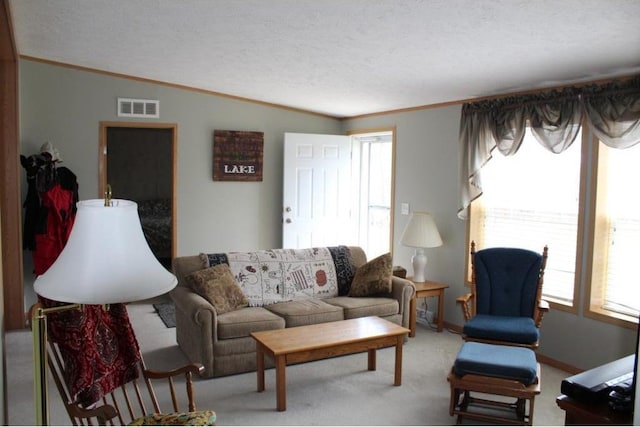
(137,160)
(374,152)
(338,190)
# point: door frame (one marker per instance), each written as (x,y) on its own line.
(102,165)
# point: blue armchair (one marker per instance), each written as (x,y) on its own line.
(505,304)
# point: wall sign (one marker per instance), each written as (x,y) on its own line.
(237,155)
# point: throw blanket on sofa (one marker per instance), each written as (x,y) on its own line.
(278,275)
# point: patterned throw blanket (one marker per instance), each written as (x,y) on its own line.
(98,346)
(278,275)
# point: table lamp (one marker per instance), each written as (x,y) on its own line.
(106,260)
(421,232)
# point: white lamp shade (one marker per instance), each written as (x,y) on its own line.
(106,260)
(421,232)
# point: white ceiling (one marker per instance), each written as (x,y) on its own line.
(340,57)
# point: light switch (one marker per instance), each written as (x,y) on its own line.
(404,207)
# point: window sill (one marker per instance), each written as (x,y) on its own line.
(611,317)
(556,304)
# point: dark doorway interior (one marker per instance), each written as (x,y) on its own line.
(140,168)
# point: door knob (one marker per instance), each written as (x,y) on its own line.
(288,221)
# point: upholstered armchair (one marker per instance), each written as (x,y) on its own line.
(505,304)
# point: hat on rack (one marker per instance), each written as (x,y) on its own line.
(47,148)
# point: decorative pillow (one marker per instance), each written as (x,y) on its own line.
(218,286)
(373,278)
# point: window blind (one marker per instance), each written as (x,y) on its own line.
(533,230)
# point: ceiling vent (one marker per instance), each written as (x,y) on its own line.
(147,108)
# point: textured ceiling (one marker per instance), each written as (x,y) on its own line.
(340,57)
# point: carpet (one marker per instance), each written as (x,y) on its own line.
(332,392)
(167,312)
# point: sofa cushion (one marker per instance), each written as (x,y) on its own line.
(373,278)
(240,323)
(217,285)
(366,306)
(306,312)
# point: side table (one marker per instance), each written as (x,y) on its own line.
(427,289)
(579,413)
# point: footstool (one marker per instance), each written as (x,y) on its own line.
(498,371)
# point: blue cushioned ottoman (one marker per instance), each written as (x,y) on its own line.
(498,370)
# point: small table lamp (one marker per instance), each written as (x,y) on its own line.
(106,260)
(421,232)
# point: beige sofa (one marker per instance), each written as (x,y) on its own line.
(222,342)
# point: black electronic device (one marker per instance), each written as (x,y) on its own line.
(593,386)
(621,398)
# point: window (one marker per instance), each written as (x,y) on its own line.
(530,200)
(614,287)
(375,158)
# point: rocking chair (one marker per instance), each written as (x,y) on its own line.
(505,304)
(135,402)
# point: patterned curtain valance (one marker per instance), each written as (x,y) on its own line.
(612,110)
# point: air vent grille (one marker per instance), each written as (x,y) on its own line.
(128,107)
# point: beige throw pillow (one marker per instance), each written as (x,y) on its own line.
(218,286)
(373,278)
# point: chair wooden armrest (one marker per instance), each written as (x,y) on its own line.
(465,302)
(187,371)
(543,308)
(193,368)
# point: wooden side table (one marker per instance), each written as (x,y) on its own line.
(427,289)
(579,413)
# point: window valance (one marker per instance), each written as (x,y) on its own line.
(612,111)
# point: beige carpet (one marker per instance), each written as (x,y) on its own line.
(339,391)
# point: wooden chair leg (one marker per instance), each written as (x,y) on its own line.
(453,400)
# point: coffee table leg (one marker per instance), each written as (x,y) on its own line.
(398,373)
(281,383)
(372,359)
(260,366)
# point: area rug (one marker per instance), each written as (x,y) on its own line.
(167,312)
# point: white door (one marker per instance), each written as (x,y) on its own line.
(317,196)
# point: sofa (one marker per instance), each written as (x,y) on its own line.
(313,285)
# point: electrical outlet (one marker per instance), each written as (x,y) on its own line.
(404,207)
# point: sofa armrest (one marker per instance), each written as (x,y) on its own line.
(193,305)
(403,290)
(196,326)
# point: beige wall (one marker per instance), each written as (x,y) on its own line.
(66,105)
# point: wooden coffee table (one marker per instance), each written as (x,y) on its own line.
(323,340)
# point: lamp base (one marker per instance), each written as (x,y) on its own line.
(419,262)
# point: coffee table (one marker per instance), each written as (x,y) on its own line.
(324,340)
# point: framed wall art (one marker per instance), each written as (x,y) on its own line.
(237,155)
